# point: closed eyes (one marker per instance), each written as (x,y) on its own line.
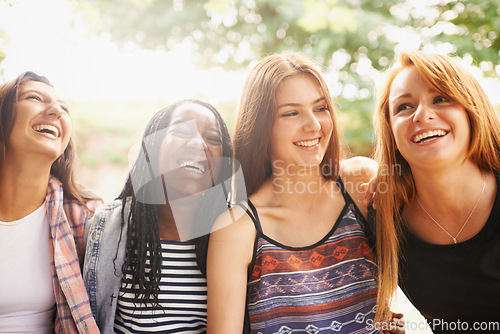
(289,113)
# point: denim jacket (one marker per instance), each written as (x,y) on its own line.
(105,240)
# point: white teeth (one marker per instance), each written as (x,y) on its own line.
(46,128)
(193,166)
(421,136)
(307,143)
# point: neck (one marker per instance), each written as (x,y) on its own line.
(302,186)
(176,227)
(451,205)
(23,188)
(433,187)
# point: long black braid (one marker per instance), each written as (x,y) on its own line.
(142,221)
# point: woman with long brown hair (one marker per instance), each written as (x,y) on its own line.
(438,218)
(296,258)
(42,213)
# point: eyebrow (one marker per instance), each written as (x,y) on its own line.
(180,122)
(298,104)
(430,91)
(400,97)
(214,129)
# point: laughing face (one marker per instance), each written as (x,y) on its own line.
(303,126)
(189,153)
(430,129)
(42,124)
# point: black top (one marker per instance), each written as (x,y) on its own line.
(458,282)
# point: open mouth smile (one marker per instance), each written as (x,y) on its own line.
(194,166)
(428,136)
(48,129)
(307,143)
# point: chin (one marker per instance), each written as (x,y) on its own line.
(184,188)
(312,163)
(53,155)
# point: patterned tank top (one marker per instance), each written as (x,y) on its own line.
(328,287)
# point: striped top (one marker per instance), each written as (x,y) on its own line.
(328,287)
(182,297)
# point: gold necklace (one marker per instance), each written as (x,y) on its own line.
(466,221)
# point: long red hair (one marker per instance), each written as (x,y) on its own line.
(447,77)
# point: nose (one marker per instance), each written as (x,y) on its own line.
(423,113)
(311,123)
(55,109)
(197,142)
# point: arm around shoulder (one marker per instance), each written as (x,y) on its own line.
(355,172)
(230,252)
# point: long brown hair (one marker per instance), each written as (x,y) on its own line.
(64,168)
(447,77)
(256,116)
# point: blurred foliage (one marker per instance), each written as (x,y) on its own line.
(480,22)
(102,139)
(3,40)
(352,40)
(2,55)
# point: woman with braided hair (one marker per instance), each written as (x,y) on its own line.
(144,266)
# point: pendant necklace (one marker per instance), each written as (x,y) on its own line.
(466,221)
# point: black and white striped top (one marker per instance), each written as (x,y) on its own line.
(182,297)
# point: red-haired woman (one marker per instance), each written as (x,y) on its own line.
(439,157)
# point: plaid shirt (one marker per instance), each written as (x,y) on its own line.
(67,218)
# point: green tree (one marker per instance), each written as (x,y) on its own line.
(480,23)
(352,40)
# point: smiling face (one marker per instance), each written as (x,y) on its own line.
(303,126)
(429,129)
(189,153)
(42,124)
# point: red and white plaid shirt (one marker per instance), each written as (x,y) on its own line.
(67,219)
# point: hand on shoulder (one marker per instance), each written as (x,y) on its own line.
(355,172)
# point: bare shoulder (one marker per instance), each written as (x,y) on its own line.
(230,252)
(234,227)
(230,249)
(355,172)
